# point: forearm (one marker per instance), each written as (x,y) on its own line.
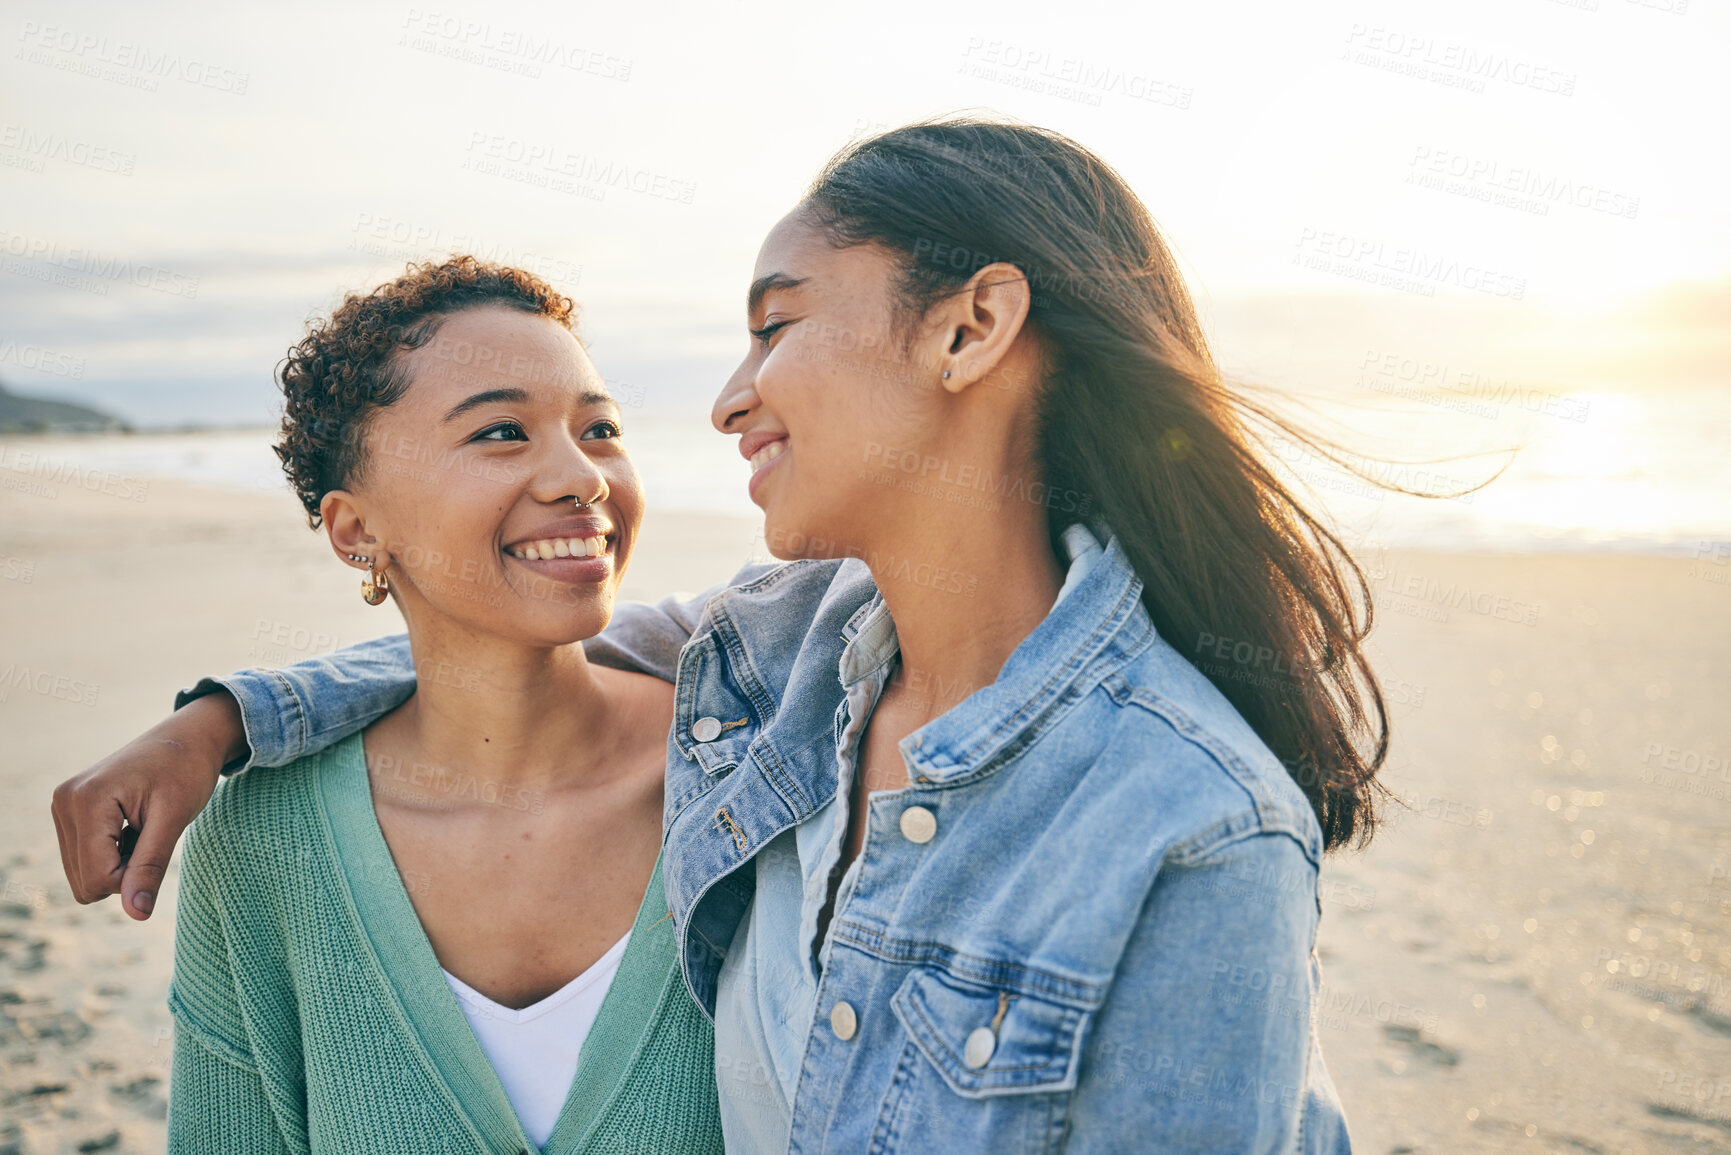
(286,714)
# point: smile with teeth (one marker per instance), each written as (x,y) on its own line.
(767,454)
(554,547)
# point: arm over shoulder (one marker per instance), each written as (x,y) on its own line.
(302,709)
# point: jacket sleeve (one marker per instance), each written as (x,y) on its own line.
(302,709)
(1203,1043)
(217,1100)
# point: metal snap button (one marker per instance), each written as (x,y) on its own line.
(843,1021)
(706,729)
(978,1050)
(919,824)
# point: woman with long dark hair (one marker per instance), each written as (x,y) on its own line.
(993,819)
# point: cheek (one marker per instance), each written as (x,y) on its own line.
(625,494)
(453,516)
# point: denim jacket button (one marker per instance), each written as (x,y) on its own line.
(918,824)
(843,1021)
(980,1045)
(706,729)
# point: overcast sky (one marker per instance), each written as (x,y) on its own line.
(182,185)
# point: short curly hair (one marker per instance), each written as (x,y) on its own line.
(347,367)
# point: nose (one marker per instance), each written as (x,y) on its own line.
(736,400)
(565,472)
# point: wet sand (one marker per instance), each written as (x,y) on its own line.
(1534,958)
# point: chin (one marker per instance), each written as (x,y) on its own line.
(570,622)
(790,539)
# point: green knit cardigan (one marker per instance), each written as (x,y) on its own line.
(311,1014)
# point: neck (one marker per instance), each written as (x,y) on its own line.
(523,717)
(953,643)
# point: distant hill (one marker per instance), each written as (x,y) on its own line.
(37,415)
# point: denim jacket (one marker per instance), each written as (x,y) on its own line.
(1107,943)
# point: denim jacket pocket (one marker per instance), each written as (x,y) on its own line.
(986,1041)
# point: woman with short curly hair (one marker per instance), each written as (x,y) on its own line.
(449,933)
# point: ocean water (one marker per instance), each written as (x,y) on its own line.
(1590,471)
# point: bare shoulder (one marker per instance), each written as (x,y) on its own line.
(645,711)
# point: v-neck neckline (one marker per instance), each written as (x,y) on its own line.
(386,920)
(607,964)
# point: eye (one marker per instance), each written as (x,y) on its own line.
(764,334)
(608,429)
(507,431)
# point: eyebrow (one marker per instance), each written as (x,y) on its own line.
(520,397)
(763,286)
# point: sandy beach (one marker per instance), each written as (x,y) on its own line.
(1534,957)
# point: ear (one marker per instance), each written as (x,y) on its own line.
(344,525)
(981,322)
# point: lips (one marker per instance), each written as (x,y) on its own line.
(751,443)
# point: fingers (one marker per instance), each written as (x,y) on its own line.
(87,829)
(148,865)
(67,858)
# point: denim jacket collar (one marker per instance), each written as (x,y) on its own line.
(1096,627)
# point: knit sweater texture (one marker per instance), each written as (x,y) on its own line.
(311,1014)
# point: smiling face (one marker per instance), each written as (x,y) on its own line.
(470,483)
(829,391)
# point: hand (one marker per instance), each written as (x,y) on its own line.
(155,785)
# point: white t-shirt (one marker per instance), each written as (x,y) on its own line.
(534,1050)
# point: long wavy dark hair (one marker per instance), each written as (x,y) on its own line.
(1134,413)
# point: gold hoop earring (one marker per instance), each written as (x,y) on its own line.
(375,586)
